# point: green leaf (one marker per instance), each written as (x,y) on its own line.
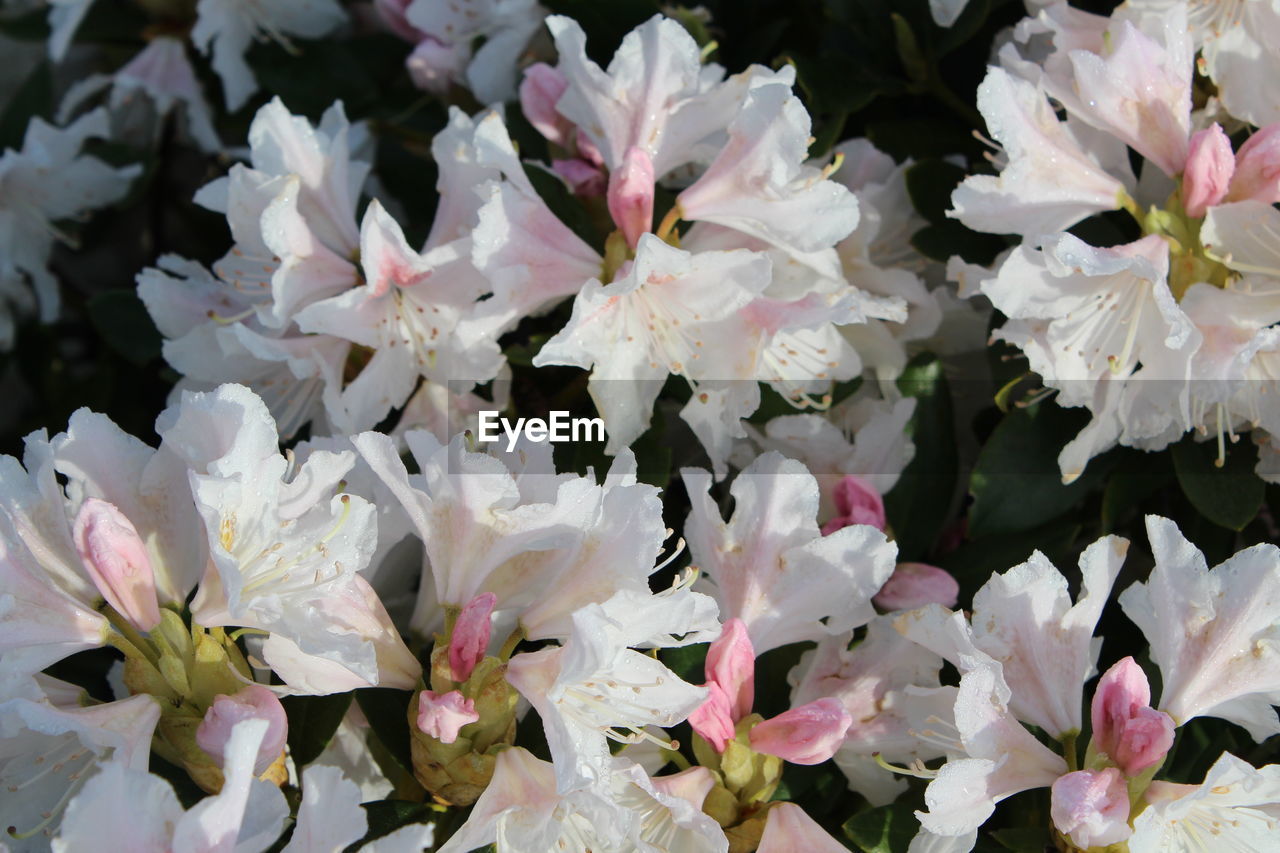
(1016,482)
(973,562)
(123,322)
(312,722)
(686,661)
(909,52)
(940,240)
(885,829)
(1229,496)
(387,711)
(1137,476)
(920,504)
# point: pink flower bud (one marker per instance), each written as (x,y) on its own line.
(392,14)
(1091,807)
(1210,165)
(713,719)
(1125,727)
(470,639)
(117,562)
(539,91)
(434,66)
(856,503)
(254,702)
(631,188)
(1257,175)
(441,716)
(789,829)
(585,179)
(914,585)
(731,664)
(809,734)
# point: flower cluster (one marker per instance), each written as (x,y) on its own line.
(307,605)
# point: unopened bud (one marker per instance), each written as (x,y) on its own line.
(442,716)
(117,561)
(254,702)
(1210,164)
(1125,726)
(914,585)
(470,638)
(809,734)
(1091,807)
(857,502)
(630,196)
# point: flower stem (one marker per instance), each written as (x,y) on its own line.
(1069,751)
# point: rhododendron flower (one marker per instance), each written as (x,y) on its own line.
(770,566)
(789,829)
(1212,632)
(1236,799)
(246,814)
(48,180)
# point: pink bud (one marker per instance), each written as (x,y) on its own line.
(713,719)
(254,702)
(1130,732)
(789,829)
(585,179)
(1210,165)
(470,639)
(856,503)
(1257,176)
(392,14)
(441,716)
(1091,807)
(434,66)
(809,734)
(914,585)
(731,664)
(539,91)
(117,562)
(631,188)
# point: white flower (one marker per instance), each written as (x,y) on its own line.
(227,27)
(408,313)
(1096,323)
(596,687)
(1213,633)
(1025,619)
(1237,42)
(125,808)
(161,72)
(285,548)
(769,565)
(889,685)
(758,183)
(46,181)
(330,817)
(50,746)
(1237,807)
(656,95)
(1049,180)
(506,27)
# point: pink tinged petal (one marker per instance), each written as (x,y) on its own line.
(631,188)
(117,561)
(442,715)
(385,254)
(539,91)
(789,829)
(1210,165)
(809,734)
(435,66)
(690,785)
(857,502)
(914,585)
(1257,173)
(470,637)
(731,664)
(1091,807)
(713,719)
(254,702)
(583,177)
